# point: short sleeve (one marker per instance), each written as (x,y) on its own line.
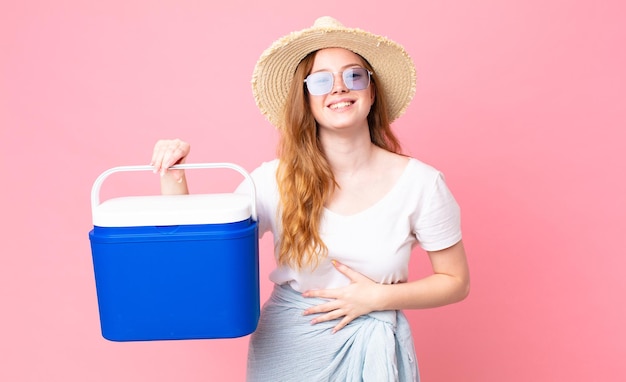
(438,224)
(264,178)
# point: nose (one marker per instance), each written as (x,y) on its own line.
(338,85)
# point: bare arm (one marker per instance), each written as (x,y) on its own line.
(449,283)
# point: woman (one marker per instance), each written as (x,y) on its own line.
(345,208)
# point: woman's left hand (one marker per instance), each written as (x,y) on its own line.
(348,302)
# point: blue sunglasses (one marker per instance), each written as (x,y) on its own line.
(320,83)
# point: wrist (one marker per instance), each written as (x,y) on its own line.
(380,297)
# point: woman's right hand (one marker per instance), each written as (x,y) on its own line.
(167,153)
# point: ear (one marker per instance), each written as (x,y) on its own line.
(373,94)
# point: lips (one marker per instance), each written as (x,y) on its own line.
(340,105)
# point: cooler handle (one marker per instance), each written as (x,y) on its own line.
(95,190)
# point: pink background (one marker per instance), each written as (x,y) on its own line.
(520,103)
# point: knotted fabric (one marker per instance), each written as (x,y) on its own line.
(285,347)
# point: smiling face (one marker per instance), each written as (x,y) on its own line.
(342,108)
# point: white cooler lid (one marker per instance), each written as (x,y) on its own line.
(164,210)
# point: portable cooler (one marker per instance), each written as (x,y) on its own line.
(173,267)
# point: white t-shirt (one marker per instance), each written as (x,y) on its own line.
(377,242)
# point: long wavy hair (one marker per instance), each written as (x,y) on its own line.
(305,179)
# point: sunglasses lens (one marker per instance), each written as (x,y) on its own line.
(319,83)
(356,78)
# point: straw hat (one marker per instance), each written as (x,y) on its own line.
(273,73)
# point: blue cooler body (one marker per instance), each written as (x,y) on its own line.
(174,267)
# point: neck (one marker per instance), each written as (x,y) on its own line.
(348,154)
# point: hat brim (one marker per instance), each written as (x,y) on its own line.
(275,68)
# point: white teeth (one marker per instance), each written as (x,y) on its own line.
(339,105)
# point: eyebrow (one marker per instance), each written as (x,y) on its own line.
(342,68)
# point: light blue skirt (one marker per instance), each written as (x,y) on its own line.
(286,347)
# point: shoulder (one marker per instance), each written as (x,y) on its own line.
(421,174)
(419,167)
(268,165)
(402,163)
(265,171)
(425,180)
(263,178)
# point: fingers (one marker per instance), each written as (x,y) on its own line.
(332,310)
(327,312)
(333,314)
(346,303)
(353,275)
(168,152)
(342,324)
(323,308)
